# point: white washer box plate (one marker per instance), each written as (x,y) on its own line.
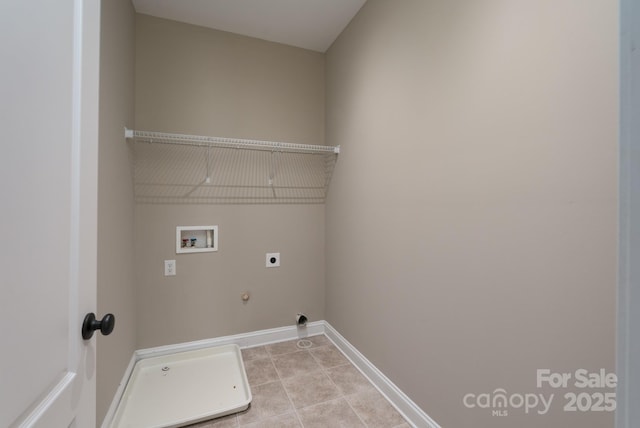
(183,388)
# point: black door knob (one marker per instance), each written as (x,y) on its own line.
(90,324)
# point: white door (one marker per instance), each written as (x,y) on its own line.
(49,54)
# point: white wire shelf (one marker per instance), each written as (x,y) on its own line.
(223,142)
(178,168)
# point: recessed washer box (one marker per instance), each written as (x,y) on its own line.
(196,239)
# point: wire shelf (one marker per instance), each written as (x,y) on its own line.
(183,169)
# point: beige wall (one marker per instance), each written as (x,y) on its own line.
(115,199)
(195,80)
(203,299)
(471,223)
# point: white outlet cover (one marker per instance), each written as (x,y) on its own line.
(169,268)
(273,260)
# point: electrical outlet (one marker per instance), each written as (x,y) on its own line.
(273,260)
(169,268)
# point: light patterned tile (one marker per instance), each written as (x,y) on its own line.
(319,340)
(328,356)
(334,414)
(349,380)
(295,364)
(260,371)
(283,347)
(309,389)
(375,410)
(254,353)
(269,399)
(289,420)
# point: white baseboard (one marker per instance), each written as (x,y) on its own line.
(243,340)
(409,410)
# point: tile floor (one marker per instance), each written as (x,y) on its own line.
(314,387)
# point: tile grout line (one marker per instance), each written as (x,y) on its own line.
(322,369)
(270,357)
(326,373)
(342,395)
(351,363)
(295,411)
(345,395)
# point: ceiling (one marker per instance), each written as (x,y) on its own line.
(309,24)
